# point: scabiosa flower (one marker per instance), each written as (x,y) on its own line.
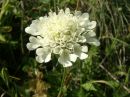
(64,34)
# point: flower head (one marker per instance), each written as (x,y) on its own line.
(64,34)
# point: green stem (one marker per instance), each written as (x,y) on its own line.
(22,28)
(77,5)
(62,83)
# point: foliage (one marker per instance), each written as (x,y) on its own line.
(106,72)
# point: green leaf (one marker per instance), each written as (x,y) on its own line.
(4,75)
(45,1)
(89,86)
(6,29)
(2,38)
(111,84)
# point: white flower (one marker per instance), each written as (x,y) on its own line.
(64,34)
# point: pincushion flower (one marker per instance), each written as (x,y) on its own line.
(63,34)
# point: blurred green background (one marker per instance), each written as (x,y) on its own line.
(105,73)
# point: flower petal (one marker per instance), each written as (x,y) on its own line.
(77,13)
(28,30)
(34,43)
(82,23)
(40,51)
(56,50)
(93,41)
(90,33)
(73,57)
(41,18)
(85,16)
(48,58)
(67,64)
(91,25)
(67,11)
(33,39)
(31,46)
(61,11)
(81,39)
(45,53)
(78,50)
(39,59)
(83,56)
(33,28)
(84,49)
(64,59)
(50,13)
